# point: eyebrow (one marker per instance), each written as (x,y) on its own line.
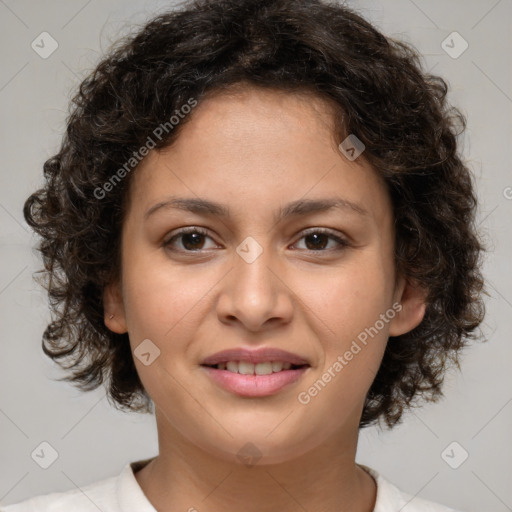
(295,208)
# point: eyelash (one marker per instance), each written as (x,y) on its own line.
(342,242)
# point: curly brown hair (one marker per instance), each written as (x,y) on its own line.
(380,93)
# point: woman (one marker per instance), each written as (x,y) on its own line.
(259,223)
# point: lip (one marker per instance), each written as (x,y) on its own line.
(254,385)
(255,356)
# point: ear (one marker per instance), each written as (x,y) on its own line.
(113,307)
(412,299)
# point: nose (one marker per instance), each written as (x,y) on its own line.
(255,294)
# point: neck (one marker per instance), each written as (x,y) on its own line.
(184,477)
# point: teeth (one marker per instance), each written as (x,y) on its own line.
(246,368)
(232,366)
(263,368)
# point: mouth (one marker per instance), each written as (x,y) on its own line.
(255,373)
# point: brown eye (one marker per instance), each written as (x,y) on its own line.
(192,239)
(318,239)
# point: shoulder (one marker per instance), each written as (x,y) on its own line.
(99,495)
(390,497)
(121,492)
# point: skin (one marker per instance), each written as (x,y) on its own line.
(254,151)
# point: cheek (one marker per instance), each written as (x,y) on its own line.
(159,297)
(352,333)
(354,339)
(352,297)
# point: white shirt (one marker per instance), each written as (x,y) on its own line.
(122,493)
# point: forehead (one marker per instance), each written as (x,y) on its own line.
(260,148)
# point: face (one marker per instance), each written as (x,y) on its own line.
(269,269)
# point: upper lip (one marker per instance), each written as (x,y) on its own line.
(254,356)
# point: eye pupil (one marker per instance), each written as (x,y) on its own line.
(187,236)
(318,242)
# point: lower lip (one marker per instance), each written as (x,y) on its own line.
(254,385)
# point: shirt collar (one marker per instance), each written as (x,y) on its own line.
(131,498)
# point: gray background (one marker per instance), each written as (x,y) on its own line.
(92,439)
